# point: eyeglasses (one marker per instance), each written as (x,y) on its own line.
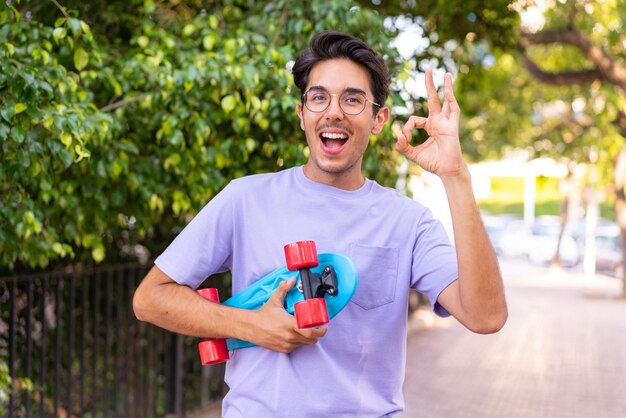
(351,102)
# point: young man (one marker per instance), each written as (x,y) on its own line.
(354,367)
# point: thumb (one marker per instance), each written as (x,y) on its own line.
(278,297)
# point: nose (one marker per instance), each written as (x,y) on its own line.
(334,110)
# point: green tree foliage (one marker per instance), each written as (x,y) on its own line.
(547,77)
(120,120)
(563,106)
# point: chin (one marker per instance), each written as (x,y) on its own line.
(333,167)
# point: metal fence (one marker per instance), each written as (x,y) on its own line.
(72,347)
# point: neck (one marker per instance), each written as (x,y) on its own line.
(346,180)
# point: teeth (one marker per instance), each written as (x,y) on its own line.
(334,136)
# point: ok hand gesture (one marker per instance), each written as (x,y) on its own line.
(441,153)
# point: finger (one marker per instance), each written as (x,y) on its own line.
(316,332)
(311,335)
(414,122)
(445,110)
(278,297)
(434,105)
(454,111)
(403,142)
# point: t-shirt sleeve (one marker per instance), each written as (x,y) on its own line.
(204,246)
(434,261)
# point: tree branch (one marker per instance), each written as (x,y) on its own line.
(620,122)
(61,8)
(610,69)
(124,102)
(564,78)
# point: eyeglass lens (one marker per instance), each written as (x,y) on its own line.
(351,103)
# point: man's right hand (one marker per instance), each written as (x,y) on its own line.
(276,329)
(163,302)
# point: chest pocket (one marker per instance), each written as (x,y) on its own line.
(378,275)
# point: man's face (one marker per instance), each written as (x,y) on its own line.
(337,141)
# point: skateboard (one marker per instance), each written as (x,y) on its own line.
(325,283)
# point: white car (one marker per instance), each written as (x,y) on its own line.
(543,242)
(538,243)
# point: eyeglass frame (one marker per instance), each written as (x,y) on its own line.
(348,90)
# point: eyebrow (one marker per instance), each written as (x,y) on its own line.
(349,89)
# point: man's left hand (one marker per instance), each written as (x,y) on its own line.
(441,152)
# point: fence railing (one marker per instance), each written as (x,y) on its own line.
(72,348)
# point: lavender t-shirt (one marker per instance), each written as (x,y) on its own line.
(357,368)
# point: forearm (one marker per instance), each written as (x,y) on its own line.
(167,304)
(180,309)
(480,288)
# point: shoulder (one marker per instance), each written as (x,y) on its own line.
(409,212)
(400,201)
(256,183)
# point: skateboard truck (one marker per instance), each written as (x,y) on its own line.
(326,283)
(312,311)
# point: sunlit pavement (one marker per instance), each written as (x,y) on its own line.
(561,354)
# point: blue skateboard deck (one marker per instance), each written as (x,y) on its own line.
(258,293)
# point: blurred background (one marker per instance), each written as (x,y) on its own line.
(120,120)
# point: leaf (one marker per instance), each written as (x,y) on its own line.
(7,113)
(189,29)
(66,139)
(222,161)
(81,59)
(10,48)
(58,34)
(47,122)
(208,42)
(74,24)
(98,252)
(143,41)
(58,248)
(18,134)
(4,131)
(256,102)
(229,103)
(66,158)
(171,161)
(250,144)
(213,22)
(19,108)
(176,138)
(81,153)
(86,29)
(129,147)
(156,203)
(24,158)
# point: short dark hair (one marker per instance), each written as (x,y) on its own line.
(333,45)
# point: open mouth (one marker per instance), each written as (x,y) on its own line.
(333,142)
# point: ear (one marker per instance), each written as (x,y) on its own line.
(380,119)
(300,115)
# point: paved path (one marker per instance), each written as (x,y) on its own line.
(561,354)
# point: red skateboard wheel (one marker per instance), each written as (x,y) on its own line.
(300,255)
(214,350)
(209,294)
(311,313)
